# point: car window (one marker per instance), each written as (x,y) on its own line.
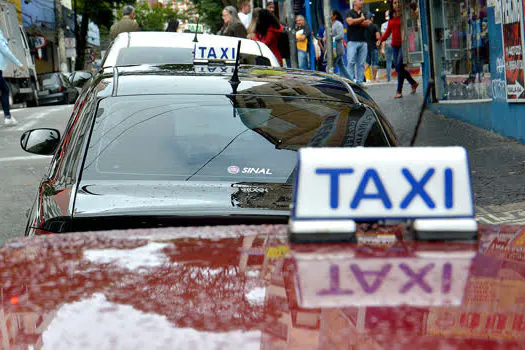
(216,138)
(47,80)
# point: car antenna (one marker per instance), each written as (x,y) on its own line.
(195,40)
(430,86)
(234,81)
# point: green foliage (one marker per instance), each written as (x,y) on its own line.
(210,12)
(154,18)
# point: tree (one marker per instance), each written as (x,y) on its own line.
(210,12)
(98,11)
(154,18)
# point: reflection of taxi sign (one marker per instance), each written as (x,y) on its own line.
(210,69)
(208,53)
(338,186)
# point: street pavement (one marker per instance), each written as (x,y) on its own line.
(498,164)
(21,172)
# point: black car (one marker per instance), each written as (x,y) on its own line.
(156,146)
(55,88)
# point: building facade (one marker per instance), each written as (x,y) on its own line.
(473,51)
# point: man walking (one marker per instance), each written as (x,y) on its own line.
(5,55)
(126,24)
(386,49)
(357,49)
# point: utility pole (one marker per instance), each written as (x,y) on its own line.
(290,21)
(328,46)
(62,59)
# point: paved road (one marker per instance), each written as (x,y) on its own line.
(498,164)
(21,171)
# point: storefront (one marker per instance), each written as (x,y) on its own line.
(473,50)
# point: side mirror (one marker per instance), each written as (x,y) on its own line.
(40,141)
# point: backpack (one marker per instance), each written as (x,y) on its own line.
(283,44)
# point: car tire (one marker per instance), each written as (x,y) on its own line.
(34,101)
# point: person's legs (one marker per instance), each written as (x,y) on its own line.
(352,59)
(303,59)
(388,57)
(374,62)
(341,66)
(362,51)
(4,89)
(398,61)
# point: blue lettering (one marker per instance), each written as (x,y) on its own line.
(212,69)
(212,53)
(233,53)
(202,48)
(334,182)
(449,189)
(418,188)
(224,53)
(381,194)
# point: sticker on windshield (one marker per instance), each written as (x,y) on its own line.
(234,169)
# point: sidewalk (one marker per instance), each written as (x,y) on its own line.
(497,163)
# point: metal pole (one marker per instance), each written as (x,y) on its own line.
(290,24)
(311,51)
(328,36)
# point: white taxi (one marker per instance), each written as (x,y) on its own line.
(184,48)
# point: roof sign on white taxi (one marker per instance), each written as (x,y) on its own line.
(335,187)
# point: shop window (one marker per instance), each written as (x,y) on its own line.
(461,49)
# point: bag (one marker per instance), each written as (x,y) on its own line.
(368,73)
(283,44)
(334,48)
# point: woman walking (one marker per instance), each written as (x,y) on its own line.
(338,32)
(394,29)
(232,24)
(267,31)
(5,55)
(253,23)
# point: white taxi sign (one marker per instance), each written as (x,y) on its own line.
(209,52)
(382,183)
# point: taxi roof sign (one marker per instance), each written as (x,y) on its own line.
(371,184)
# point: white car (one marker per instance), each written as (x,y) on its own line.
(180,48)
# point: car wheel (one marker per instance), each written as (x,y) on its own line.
(34,101)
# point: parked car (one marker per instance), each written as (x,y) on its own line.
(56,88)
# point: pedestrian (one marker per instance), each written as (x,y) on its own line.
(302,34)
(321,62)
(253,23)
(372,35)
(386,49)
(357,49)
(126,24)
(394,29)
(232,24)
(270,6)
(173,24)
(245,12)
(5,55)
(267,31)
(338,32)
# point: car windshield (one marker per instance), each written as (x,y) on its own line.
(206,138)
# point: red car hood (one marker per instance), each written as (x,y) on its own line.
(246,287)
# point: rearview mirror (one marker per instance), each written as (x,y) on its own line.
(40,141)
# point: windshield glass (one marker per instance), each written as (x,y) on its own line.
(49,80)
(204,138)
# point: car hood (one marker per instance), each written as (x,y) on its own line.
(181,198)
(246,286)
